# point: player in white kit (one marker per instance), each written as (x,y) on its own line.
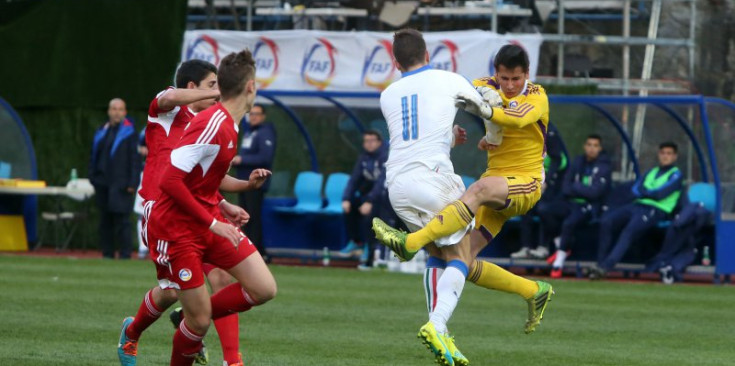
(420,111)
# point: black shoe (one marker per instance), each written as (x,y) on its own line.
(596,273)
(176,316)
(667,275)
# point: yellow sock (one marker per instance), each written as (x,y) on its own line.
(451,219)
(490,276)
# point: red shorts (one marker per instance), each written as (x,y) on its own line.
(181,264)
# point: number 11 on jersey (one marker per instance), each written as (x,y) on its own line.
(413,133)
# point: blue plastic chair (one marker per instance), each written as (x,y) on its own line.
(703,193)
(467,180)
(307,189)
(5,170)
(333,190)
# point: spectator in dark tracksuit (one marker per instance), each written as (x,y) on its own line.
(257,151)
(555,164)
(585,186)
(363,194)
(657,194)
(679,247)
(114,170)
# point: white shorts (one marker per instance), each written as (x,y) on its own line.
(419,194)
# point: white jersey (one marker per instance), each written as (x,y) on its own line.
(420,113)
(419,109)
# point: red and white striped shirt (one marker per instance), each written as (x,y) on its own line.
(190,182)
(163,131)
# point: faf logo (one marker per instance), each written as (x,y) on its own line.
(185,274)
(204,48)
(379,68)
(265,54)
(444,56)
(319,64)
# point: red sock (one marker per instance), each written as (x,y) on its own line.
(229,300)
(186,345)
(147,314)
(229,337)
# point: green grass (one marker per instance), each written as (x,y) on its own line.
(60,311)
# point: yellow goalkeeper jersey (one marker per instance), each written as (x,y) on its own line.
(525,121)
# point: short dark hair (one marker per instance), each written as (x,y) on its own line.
(409,47)
(262,108)
(235,70)
(375,133)
(669,144)
(194,71)
(512,56)
(594,136)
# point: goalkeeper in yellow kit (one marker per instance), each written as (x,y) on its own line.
(516,115)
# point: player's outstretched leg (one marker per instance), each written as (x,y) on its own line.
(537,305)
(394,239)
(127,349)
(437,344)
(176,316)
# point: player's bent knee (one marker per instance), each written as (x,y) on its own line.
(263,293)
(488,190)
(199,323)
(166,297)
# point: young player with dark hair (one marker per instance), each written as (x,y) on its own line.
(188,225)
(168,115)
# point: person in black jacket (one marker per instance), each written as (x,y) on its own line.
(114,170)
(585,186)
(363,193)
(257,151)
(679,248)
(555,165)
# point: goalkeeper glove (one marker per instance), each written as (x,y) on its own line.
(473,105)
(490,95)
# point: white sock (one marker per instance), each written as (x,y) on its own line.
(561,256)
(431,279)
(448,291)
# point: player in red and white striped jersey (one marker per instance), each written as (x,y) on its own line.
(189,226)
(168,115)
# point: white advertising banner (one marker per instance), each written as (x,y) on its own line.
(349,61)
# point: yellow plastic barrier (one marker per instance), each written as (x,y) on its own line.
(13,233)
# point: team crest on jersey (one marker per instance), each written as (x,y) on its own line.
(265,54)
(444,56)
(319,64)
(204,48)
(379,69)
(185,274)
(513,104)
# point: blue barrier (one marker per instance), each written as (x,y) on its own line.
(29,203)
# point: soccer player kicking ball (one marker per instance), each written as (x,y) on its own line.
(420,111)
(169,113)
(510,187)
(187,227)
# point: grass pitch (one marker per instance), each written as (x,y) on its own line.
(61,311)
